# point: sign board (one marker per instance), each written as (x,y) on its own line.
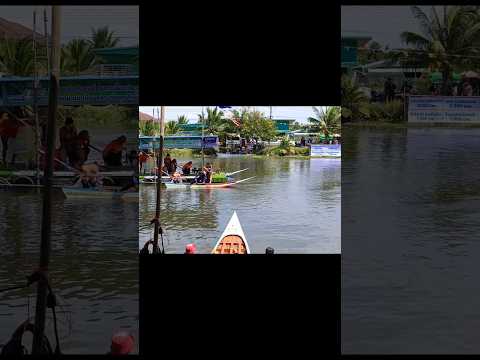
(326,150)
(233,142)
(179,142)
(444,109)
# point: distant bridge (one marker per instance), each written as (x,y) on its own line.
(74,90)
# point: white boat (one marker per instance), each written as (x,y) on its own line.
(232,240)
(75,192)
(184,185)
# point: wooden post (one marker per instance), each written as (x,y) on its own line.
(203,126)
(41,305)
(159,184)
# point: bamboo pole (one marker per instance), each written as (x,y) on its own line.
(159,185)
(41,306)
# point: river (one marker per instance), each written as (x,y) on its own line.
(292,205)
(410,241)
(93,268)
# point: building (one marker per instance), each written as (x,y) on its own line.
(351,42)
(283,125)
(116,61)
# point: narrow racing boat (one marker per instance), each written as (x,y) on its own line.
(232,240)
(109,193)
(172,185)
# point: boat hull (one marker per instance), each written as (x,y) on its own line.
(80,193)
(232,240)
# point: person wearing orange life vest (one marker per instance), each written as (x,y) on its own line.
(112,154)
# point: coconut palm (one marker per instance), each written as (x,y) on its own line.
(354,101)
(327,120)
(16,57)
(78,56)
(182,120)
(103,38)
(447,41)
(171,127)
(213,121)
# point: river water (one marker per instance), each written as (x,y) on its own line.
(291,205)
(93,267)
(410,245)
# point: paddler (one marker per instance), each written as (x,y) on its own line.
(176,177)
(68,135)
(80,149)
(208,169)
(142,159)
(173,167)
(167,162)
(89,176)
(112,154)
(187,168)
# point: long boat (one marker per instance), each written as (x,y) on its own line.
(172,185)
(96,193)
(152,179)
(232,240)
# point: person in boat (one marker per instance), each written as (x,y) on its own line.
(80,149)
(176,177)
(142,159)
(89,176)
(167,162)
(173,167)
(187,168)
(9,128)
(112,153)
(208,173)
(68,135)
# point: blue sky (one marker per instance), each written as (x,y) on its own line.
(77,21)
(298,113)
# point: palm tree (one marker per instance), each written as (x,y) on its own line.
(214,120)
(182,120)
(354,101)
(446,42)
(78,56)
(103,38)
(16,57)
(327,120)
(171,127)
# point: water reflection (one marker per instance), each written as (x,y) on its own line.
(94,267)
(410,229)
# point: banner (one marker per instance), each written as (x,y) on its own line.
(444,109)
(326,150)
(179,142)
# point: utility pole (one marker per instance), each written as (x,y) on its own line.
(159,184)
(41,306)
(35,102)
(203,126)
(270,113)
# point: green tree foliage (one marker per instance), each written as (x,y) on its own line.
(171,127)
(448,41)
(327,120)
(354,101)
(16,57)
(103,38)
(77,56)
(256,126)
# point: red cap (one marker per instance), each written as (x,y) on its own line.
(190,249)
(122,343)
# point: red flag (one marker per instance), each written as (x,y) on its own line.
(236,121)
